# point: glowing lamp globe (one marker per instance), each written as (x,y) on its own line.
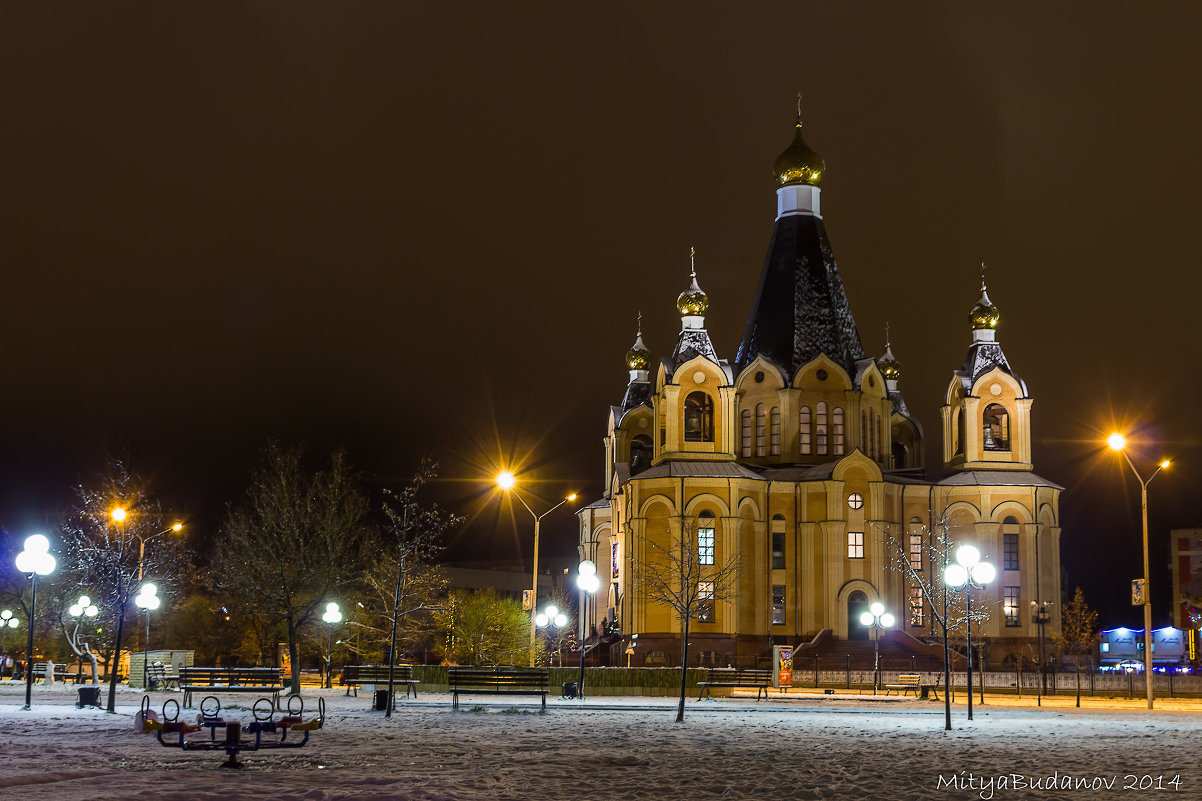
(866,618)
(551,611)
(876,608)
(587,568)
(505,480)
(332,614)
(968,555)
(561,620)
(540,620)
(955,575)
(1116,441)
(36,557)
(887,620)
(983,573)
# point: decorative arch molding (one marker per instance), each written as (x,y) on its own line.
(1017,388)
(747,502)
(704,365)
(837,378)
(843,596)
(876,388)
(602,530)
(962,508)
(1011,508)
(856,460)
(1047,515)
(692,508)
(633,415)
(658,499)
(766,366)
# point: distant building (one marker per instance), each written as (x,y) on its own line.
(510,580)
(798,458)
(1185,564)
(1123,648)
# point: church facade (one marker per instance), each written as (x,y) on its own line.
(800,466)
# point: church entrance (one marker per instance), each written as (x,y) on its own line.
(857,604)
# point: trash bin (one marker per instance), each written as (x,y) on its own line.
(569,689)
(381,703)
(88,696)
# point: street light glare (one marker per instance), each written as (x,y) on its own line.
(1165,464)
(177,527)
(866,618)
(119,514)
(505,480)
(956,575)
(1116,441)
(968,555)
(572,497)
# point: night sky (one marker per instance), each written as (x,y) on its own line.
(428,228)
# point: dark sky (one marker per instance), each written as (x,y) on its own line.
(415,228)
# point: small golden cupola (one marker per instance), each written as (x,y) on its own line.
(799,164)
(638,357)
(984,316)
(887,364)
(693,302)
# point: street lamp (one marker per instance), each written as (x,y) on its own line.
(877,618)
(79,610)
(331,616)
(507,481)
(1118,443)
(36,561)
(7,621)
(553,619)
(1042,616)
(968,571)
(588,582)
(148,599)
(120,515)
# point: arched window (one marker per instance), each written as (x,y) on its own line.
(640,454)
(959,433)
(807,444)
(820,425)
(880,439)
(995,428)
(746,439)
(899,456)
(870,443)
(698,418)
(761,423)
(837,430)
(775,431)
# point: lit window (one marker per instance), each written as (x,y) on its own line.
(916,606)
(761,424)
(837,430)
(778,550)
(855,500)
(705,545)
(855,545)
(916,551)
(775,431)
(1010,606)
(807,446)
(705,601)
(778,604)
(1010,551)
(1105,647)
(820,425)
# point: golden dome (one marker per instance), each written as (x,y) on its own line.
(889,367)
(798,164)
(638,357)
(693,302)
(984,314)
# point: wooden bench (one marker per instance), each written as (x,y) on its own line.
(497,681)
(354,675)
(735,677)
(158,674)
(264,680)
(907,682)
(39,671)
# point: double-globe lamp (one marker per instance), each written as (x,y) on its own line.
(876,618)
(589,582)
(968,571)
(331,617)
(36,561)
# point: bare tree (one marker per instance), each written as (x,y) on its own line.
(484,628)
(948,609)
(112,556)
(1078,633)
(297,539)
(678,577)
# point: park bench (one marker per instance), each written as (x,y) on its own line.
(39,671)
(354,675)
(262,680)
(160,675)
(907,682)
(735,677)
(497,681)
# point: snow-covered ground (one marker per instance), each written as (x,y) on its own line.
(798,746)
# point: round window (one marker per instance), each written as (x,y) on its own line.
(759,377)
(821,375)
(855,500)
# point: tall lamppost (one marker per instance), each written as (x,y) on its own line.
(120,515)
(331,616)
(588,582)
(968,571)
(148,599)
(551,618)
(877,618)
(507,481)
(36,561)
(1119,443)
(7,621)
(1042,616)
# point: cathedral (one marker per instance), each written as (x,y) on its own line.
(797,471)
